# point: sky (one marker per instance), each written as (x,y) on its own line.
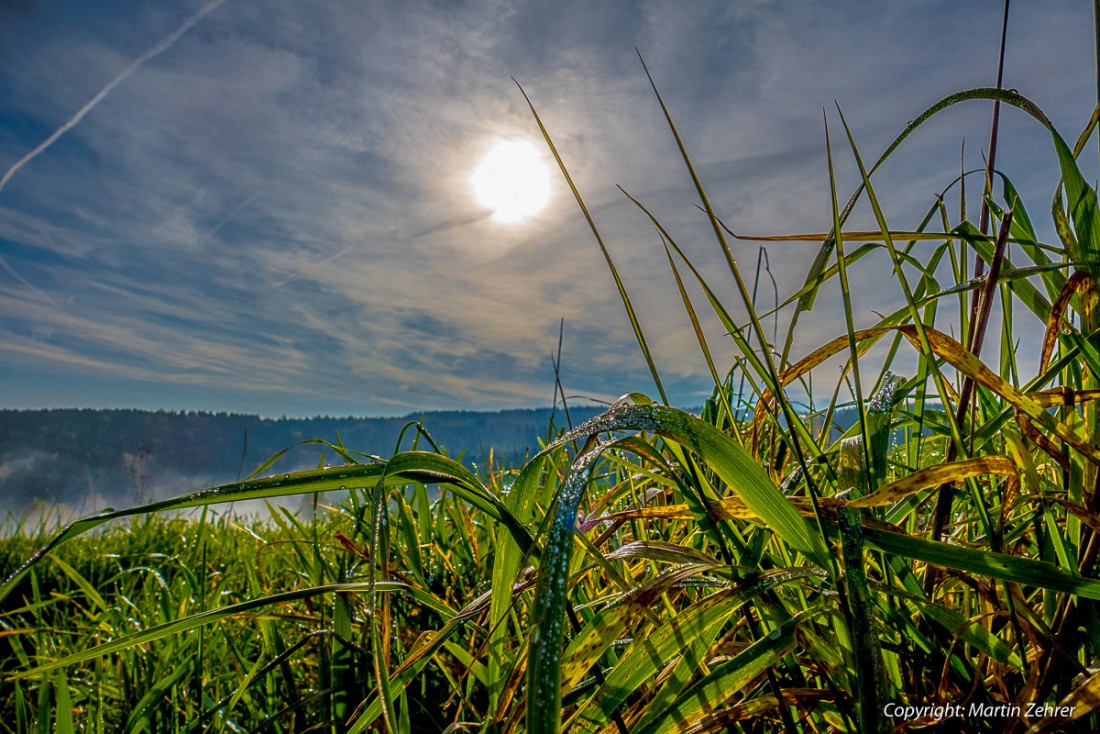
(266,207)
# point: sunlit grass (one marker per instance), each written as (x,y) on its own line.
(651,570)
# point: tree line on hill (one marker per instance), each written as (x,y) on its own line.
(87,459)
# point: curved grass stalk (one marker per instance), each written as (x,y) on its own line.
(198,620)
(627,306)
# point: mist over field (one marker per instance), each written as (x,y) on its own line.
(85,460)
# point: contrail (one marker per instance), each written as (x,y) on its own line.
(236,210)
(11,271)
(73,121)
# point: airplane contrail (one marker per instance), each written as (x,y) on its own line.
(73,121)
(30,286)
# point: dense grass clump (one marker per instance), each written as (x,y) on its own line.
(204,621)
(652,570)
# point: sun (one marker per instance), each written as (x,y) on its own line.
(512,180)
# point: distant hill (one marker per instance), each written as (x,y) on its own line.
(89,459)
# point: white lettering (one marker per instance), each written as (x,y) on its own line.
(1036,710)
(934,711)
(941,711)
(998,710)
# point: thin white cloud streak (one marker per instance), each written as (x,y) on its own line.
(229,217)
(166,43)
(30,286)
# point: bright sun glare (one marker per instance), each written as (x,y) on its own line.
(512,180)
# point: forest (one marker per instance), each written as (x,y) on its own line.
(88,459)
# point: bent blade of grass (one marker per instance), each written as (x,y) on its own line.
(824,255)
(548,616)
(414,466)
(198,620)
(1056,314)
(658,550)
(936,475)
(1030,572)
(732,462)
(1082,208)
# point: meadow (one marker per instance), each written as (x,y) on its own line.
(745,569)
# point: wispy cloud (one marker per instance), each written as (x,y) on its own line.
(275,203)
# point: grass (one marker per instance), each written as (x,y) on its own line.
(652,570)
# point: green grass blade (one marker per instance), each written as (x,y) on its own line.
(870,676)
(548,616)
(731,461)
(198,620)
(1075,182)
(63,720)
(1015,569)
(140,718)
(635,324)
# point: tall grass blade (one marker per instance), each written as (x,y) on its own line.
(634,322)
(548,618)
(141,717)
(198,620)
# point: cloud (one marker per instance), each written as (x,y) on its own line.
(277,206)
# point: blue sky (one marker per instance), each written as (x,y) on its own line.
(272,213)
